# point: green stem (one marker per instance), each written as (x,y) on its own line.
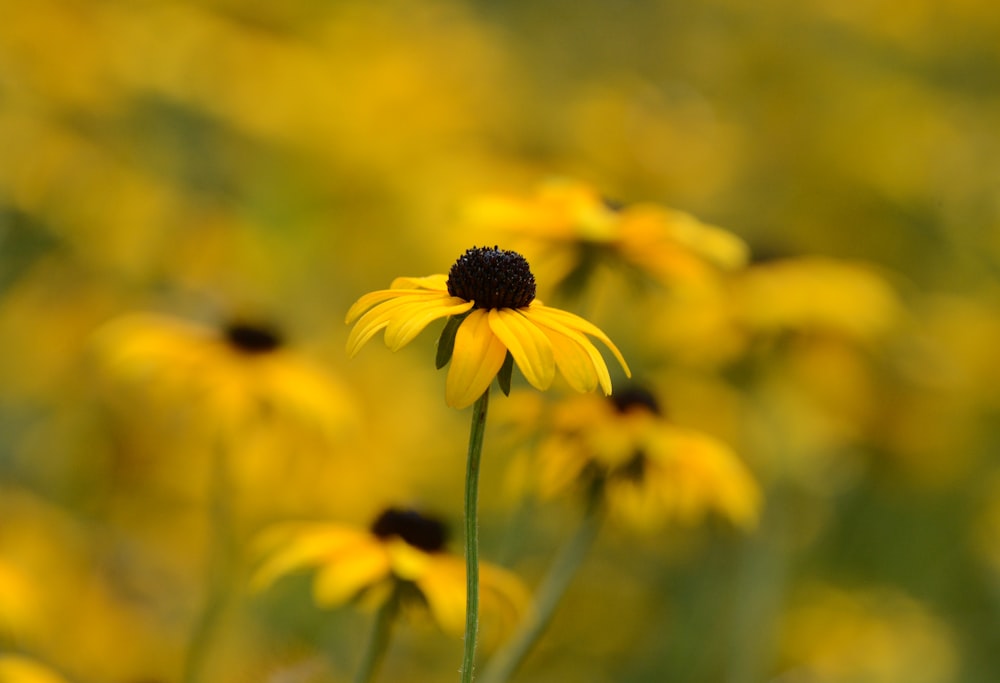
(564,568)
(220,570)
(472,534)
(378,644)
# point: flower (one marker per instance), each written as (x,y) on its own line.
(648,470)
(233,375)
(830,633)
(18,669)
(572,219)
(402,551)
(489,294)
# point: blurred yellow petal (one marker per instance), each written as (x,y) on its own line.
(476,360)
(292,547)
(351,572)
(531,349)
(408,562)
(17,669)
(443,585)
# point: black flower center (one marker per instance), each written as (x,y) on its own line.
(421,532)
(493,278)
(252,339)
(634,397)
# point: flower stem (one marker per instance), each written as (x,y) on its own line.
(564,567)
(221,564)
(378,643)
(472,534)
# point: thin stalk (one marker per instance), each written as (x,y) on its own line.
(550,592)
(476,432)
(378,643)
(220,567)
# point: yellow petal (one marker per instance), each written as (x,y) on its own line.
(401,307)
(435,282)
(574,361)
(370,299)
(404,327)
(565,318)
(291,547)
(475,361)
(531,349)
(443,585)
(339,581)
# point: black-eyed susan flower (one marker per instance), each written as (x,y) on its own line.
(579,230)
(403,554)
(649,471)
(246,400)
(489,296)
(227,376)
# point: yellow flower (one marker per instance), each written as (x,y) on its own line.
(229,377)
(403,551)
(831,634)
(649,471)
(490,295)
(822,294)
(17,669)
(571,216)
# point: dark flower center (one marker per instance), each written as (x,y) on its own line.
(634,397)
(421,532)
(493,278)
(252,339)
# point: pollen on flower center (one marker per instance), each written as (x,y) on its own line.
(421,532)
(492,278)
(251,339)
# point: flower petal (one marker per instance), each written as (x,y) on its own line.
(340,580)
(574,361)
(475,361)
(547,315)
(290,547)
(434,282)
(577,343)
(529,345)
(370,299)
(403,328)
(404,305)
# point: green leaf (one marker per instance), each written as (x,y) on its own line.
(446,342)
(503,377)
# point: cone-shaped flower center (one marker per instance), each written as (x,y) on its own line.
(421,532)
(492,278)
(251,339)
(635,397)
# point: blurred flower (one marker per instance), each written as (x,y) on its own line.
(650,471)
(832,635)
(402,551)
(489,295)
(577,226)
(228,377)
(18,669)
(815,294)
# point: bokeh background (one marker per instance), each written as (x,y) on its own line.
(249,160)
